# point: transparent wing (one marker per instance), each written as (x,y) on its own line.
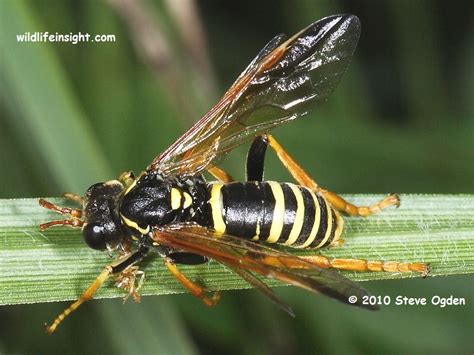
(248,258)
(287,79)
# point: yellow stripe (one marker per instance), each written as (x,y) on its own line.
(299,218)
(278,212)
(187,200)
(216,206)
(175,198)
(257,230)
(339,227)
(317,222)
(329,229)
(259,220)
(134,225)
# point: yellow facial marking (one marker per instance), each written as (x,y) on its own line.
(216,206)
(175,198)
(299,218)
(278,212)
(134,225)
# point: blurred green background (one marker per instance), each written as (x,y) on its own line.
(401,120)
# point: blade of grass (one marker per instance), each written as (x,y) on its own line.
(46,110)
(56,265)
(52,116)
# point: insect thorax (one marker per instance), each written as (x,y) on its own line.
(154,201)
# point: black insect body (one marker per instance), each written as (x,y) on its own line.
(172,210)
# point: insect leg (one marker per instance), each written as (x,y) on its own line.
(127,178)
(324,262)
(74,222)
(116,267)
(366,265)
(342,205)
(220,174)
(86,296)
(74,197)
(185,258)
(131,280)
(74,213)
(256,159)
(192,287)
(335,200)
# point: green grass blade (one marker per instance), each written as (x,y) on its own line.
(51,117)
(56,265)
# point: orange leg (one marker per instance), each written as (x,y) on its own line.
(131,280)
(74,222)
(335,200)
(342,205)
(122,265)
(352,210)
(86,296)
(220,174)
(193,288)
(324,262)
(366,265)
(74,213)
(74,197)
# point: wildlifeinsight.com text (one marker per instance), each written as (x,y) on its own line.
(71,37)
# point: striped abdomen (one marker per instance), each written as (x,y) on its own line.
(274,213)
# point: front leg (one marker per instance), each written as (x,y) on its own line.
(131,281)
(116,267)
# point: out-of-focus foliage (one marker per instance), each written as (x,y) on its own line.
(402,120)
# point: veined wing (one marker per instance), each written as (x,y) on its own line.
(287,79)
(248,259)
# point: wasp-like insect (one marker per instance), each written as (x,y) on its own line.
(171,210)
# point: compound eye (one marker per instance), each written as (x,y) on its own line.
(94,236)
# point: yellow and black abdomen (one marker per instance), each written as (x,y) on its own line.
(272,212)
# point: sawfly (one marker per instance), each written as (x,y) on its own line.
(171,210)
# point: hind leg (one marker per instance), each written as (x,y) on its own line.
(220,174)
(335,200)
(360,265)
